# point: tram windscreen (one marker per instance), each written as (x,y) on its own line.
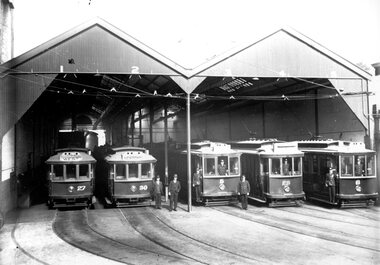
(276,166)
(133,171)
(83,171)
(210,166)
(222,165)
(120,171)
(145,170)
(234,164)
(370,165)
(265,166)
(58,171)
(287,166)
(297,166)
(346,163)
(359,165)
(71,171)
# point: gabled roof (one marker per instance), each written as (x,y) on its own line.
(82,38)
(300,45)
(162,65)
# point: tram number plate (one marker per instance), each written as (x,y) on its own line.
(81,188)
(143,187)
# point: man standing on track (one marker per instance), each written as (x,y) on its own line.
(243,190)
(197,184)
(157,190)
(174,188)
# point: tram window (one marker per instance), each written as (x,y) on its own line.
(297,166)
(121,171)
(370,165)
(133,171)
(83,171)
(287,166)
(58,172)
(346,165)
(222,165)
(210,166)
(71,171)
(306,164)
(315,164)
(359,165)
(265,163)
(234,163)
(145,170)
(276,168)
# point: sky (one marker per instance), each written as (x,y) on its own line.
(192,31)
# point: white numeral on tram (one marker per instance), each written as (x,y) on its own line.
(143,187)
(81,188)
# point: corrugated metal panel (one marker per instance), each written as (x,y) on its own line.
(7,105)
(280,55)
(17,94)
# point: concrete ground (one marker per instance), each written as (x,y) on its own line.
(310,234)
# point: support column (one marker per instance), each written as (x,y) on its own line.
(140,129)
(188,152)
(376,117)
(133,129)
(316,113)
(151,118)
(166,151)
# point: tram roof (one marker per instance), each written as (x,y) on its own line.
(335,146)
(209,148)
(130,155)
(267,147)
(71,156)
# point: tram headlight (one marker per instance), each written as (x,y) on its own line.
(71,189)
(286,189)
(358,188)
(133,188)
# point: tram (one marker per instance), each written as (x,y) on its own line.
(130,176)
(353,167)
(71,178)
(273,169)
(219,167)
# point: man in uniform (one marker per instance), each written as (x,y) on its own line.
(330,183)
(222,170)
(243,190)
(174,188)
(157,190)
(197,184)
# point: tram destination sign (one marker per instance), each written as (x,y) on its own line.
(70,156)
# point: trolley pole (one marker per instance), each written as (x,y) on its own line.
(188,152)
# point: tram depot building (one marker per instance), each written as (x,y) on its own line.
(96,78)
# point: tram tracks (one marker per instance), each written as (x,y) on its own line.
(182,243)
(303,229)
(21,248)
(74,228)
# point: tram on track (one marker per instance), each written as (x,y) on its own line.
(350,166)
(219,167)
(273,169)
(71,178)
(130,176)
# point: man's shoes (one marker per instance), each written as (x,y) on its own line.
(175,209)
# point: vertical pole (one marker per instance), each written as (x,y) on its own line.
(140,129)
(151,117)
(316,113)
(133,129)
(188,152)
(166,151)
(376,117)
